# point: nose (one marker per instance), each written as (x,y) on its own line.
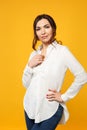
(42,31)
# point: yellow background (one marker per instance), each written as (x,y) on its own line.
(16,19)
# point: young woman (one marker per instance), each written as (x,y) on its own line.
(43,76)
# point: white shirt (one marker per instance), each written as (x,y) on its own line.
(50,74)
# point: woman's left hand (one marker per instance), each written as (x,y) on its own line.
(54,95)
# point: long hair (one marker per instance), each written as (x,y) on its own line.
(38,18)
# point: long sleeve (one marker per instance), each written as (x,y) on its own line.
(80,76)
(27,73)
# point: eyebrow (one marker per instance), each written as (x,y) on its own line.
(43,26)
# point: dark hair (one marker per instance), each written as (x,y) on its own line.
(52,23)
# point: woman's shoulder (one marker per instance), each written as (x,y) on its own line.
(60,46)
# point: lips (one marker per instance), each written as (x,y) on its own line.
(44,37)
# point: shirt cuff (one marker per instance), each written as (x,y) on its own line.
(29,69)
(64,98)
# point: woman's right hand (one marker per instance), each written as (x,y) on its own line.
(36,60)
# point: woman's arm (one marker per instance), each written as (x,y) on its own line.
(34,60)
(79,73)
(27,73)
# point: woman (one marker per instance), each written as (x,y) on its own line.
(43,76)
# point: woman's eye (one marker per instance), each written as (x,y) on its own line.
(37,29)
(47,26)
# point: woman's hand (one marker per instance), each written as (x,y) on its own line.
(36,60)
(53,95)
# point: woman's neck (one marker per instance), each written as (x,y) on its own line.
(44,49)
(45,46)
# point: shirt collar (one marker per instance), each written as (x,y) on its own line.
(52,45)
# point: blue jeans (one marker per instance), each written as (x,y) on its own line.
(49,124)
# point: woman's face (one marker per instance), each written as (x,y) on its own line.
(44,31)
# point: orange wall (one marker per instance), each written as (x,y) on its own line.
(15,46)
